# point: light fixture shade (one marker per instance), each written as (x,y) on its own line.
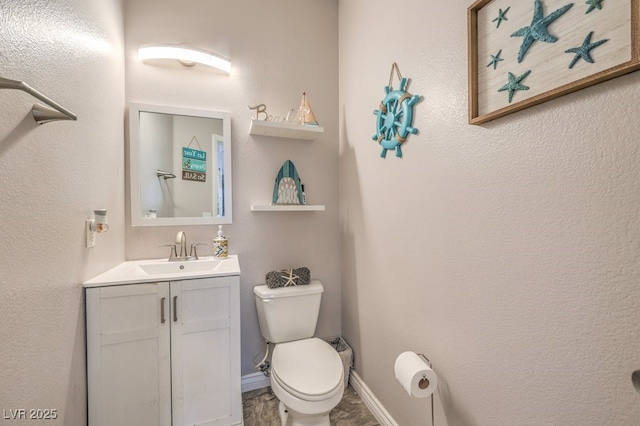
(185,55)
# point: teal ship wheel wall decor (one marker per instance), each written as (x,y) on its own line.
(395,116)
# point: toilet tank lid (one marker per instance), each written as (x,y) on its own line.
(264,292)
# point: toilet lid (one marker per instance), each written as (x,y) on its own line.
(309,369)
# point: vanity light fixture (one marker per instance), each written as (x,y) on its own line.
(97,225)
(187,56)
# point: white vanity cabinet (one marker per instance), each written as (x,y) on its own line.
(164,353)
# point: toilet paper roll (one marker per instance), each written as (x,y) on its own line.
(415,375)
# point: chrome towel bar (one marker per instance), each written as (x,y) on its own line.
(41,113)
(165,175)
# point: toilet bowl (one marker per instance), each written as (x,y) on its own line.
(307,376)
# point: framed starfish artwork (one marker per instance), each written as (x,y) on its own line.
(525,52)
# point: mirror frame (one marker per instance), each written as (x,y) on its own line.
(134,166)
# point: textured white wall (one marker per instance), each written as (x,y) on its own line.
(508,253)
(52,177)
(278,49)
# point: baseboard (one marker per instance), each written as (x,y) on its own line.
(370,400)
(254,381)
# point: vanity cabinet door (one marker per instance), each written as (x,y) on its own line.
(128,355)
(205,351)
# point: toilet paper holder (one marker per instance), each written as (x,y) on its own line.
(424,383)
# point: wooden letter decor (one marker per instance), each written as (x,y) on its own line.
(525,52)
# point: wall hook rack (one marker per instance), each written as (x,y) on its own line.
(42,114)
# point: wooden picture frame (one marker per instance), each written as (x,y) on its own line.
(510,70)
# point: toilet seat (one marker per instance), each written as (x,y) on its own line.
(308,369)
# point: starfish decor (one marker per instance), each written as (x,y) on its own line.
(593,4)
(584,51)
(502,16)
(538,29)
(495,59)
(514,84)
(291,278)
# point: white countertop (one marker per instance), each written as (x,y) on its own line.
(157,270)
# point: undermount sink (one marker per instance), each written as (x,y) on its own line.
(186,267)
(157,270)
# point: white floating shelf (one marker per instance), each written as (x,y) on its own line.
(287,208)
(284,130)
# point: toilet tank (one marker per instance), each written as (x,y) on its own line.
(288,313)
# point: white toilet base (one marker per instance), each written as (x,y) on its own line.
(289,417)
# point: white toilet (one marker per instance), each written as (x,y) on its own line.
(307,374)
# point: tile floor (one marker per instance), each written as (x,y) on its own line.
(260,408)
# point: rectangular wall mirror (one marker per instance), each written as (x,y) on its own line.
(180,166)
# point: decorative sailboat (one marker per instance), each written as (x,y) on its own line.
(305,115)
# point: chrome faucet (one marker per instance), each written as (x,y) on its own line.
(181,239)
(182,255)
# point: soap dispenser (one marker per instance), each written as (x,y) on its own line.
(220,244)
